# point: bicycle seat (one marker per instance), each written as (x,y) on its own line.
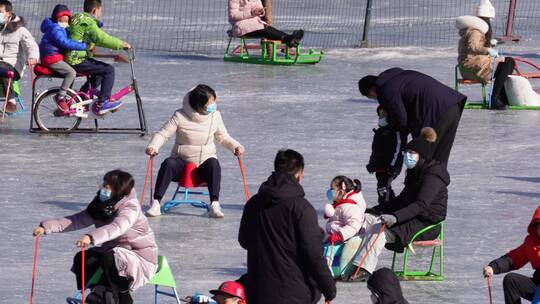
(41,70)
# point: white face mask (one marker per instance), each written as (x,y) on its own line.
(63,24)
(3,18)
(382,122)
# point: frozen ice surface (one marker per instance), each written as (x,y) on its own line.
(316,110)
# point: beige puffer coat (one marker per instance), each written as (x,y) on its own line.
(195,134)
(473,53)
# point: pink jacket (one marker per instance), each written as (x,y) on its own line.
(346,216)
(241,19)
(128,235)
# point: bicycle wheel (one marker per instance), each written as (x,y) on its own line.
(49,118)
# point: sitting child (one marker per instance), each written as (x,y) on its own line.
(345,214)
(85,27)
(17,48)
(386,159)
(125,249)
(228,293)
(515,285)
(245,18)
(54,43)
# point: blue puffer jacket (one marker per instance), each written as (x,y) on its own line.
(55,42)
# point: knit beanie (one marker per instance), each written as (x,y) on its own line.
(59,11)
(485,9)
(423,144)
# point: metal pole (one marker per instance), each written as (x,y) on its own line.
(508,36)
(367,22)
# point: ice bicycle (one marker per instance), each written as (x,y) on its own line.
(46,117)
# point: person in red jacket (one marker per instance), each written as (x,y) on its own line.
(517,286)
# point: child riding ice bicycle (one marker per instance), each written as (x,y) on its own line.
(85,28)
(54,43)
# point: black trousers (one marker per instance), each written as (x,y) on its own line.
(100,74)
(384,187)
(446,130)
(504,69)
(268,33)
(172,168)
(4,69)
(96,258)
(517,286)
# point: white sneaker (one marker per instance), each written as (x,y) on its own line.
(215,210)
(155,209)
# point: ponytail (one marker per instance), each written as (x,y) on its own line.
(347,184)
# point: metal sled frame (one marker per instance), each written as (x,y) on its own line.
(429,275)
(141,130)
(484,103)
(273,52)
(185,192)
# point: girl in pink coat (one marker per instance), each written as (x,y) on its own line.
(245,16)
(125,248)
(346,212)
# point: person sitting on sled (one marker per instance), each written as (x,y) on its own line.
(125,248)
(84,27)
(421,203)
(345,213)
(229,292)
(386,158)
(245,16)
(54,43)
(515,285)
(196,125)
(17,48)
(476,54)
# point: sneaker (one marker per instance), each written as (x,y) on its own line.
(362,276)
(106,107)
(11,106)
(155,209)
(61,102)
(215,210)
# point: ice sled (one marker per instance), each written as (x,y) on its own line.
(188,181)
(340,255)
(271,52)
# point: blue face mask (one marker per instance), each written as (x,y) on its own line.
(211,108)
(104,194)
(382,122)
(409,160)
(331,195)
(2,18)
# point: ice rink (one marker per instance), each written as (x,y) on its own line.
(316,110)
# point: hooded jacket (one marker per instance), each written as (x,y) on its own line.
(386,150)
(385,285)
(128,235)
(348,215)
(422,202)
(527,252)
(414,100)
(195,134)
(17,44)
(473,57)
(55,42)
(85,28)
(284,244)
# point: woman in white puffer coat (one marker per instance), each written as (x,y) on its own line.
(346,212)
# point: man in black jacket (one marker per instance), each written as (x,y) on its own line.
(421,203)
(279,229)
(414,100)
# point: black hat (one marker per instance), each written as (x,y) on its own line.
(423,144)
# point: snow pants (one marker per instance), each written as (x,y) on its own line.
(96,258)
(172,169)
(517,286)
(368,235)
